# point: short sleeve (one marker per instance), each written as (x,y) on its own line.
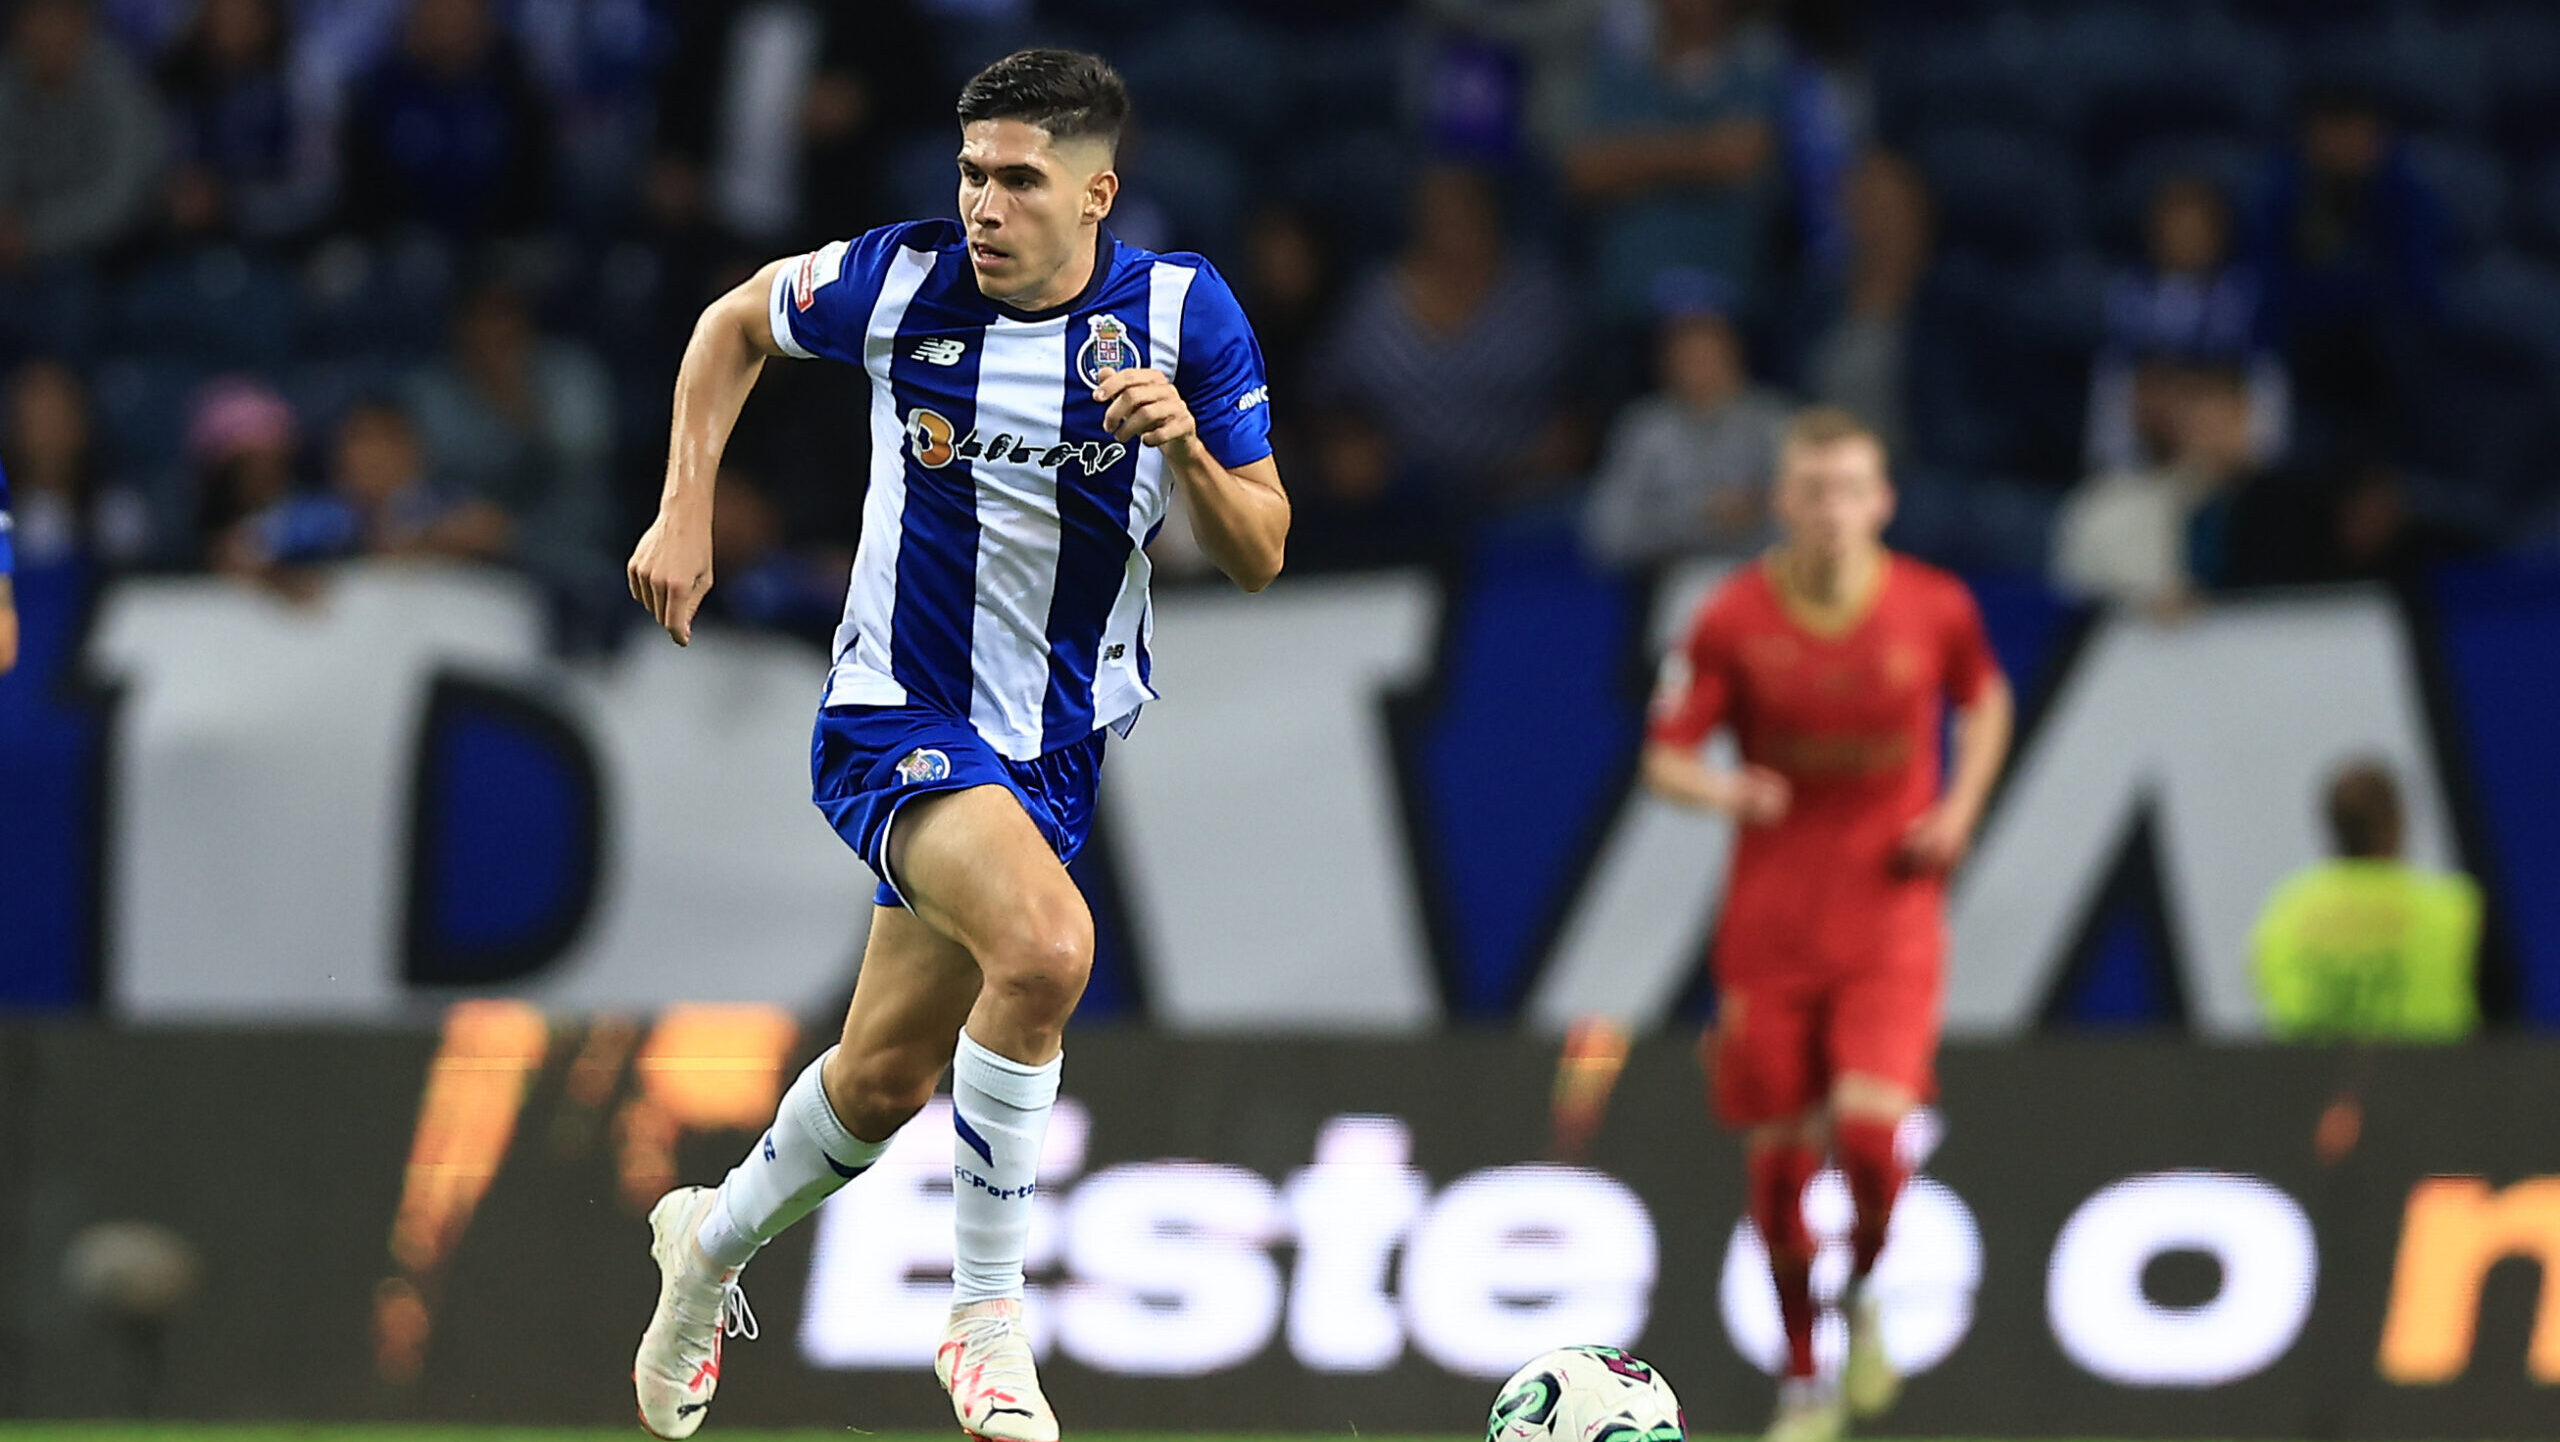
(1220,373)
(820,304)
(1970,665)
(1695,686)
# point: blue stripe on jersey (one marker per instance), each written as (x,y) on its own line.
(1093,547)
(931,619)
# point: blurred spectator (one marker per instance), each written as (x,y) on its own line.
(2189,306)
(65,510)
(80,138)
(2367,947)
(775,118)
(524,423)
(1551,41)
(2352,246)
(1453,357)
(1859,362)
(242,440)
(251,156)
(378,473)
(1687,469)
(2155,537)
(446,133)
(1673,157)
(8,583)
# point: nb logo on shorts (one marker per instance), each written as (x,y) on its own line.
(921,765)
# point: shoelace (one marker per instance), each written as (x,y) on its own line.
(983,1344)
(737,1319)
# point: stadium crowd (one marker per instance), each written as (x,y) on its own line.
(2159,299)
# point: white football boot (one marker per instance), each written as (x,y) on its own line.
(698,1303)
(984,1362)
(1809,1410)
(1868,1382)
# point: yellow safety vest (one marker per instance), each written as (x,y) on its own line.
(2369,951)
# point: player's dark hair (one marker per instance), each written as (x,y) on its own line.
(1068,93)
(2364,810)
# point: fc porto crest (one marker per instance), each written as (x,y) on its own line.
(923,765)
(1108,346)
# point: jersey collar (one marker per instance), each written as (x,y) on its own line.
(1106,250)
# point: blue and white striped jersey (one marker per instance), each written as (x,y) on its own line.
(1002,574)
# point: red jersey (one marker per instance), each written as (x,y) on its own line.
(1852,718)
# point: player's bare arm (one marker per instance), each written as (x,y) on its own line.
(1940,836)
(1240,515)
(1753,795)
(670,570)
(8,627)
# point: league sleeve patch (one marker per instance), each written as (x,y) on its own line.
(818,269)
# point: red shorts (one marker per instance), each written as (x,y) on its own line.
(1779,1041)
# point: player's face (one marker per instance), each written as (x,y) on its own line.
(1833,498)
(1029,206)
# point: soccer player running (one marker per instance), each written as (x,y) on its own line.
(1039,392)
(1832,659)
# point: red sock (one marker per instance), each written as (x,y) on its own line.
(1875,1175)
(1778,1175)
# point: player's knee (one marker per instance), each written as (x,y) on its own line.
(875,1095)
(1040,966)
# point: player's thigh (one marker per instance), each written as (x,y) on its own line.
(910,1000)
(1761,1069)
(975,869)
(1882,1041)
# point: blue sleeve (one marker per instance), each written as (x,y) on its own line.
(821,302)
(1220,373)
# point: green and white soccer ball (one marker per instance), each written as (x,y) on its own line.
(1586,1394)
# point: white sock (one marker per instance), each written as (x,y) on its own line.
(999,1111)
(799,1163)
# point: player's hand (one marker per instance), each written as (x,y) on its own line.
(8,627)
(1758,796)
(1935,841)
(670,573)
(1142,405)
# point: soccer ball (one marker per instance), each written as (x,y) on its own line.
(1586,1394)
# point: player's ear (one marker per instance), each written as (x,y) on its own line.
(1100,192)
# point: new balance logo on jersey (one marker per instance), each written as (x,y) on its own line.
(930,439)
(941,350)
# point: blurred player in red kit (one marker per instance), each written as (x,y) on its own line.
(1833,661)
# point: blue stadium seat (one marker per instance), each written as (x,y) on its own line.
(1996,75)
(391,299)
(142,411)
(2000,193)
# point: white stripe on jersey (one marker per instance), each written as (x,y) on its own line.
(1022,377)
(862,674)
(1118,688)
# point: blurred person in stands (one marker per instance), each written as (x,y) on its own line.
(252,154)
(1835,662)
(1686,470)
(1673,158)
(775,120)
(2156,537)
(524,423)
(1451,357)
(446,133)
(2190,306)
(8,582)
(67,508)
(2351,244)
(2354,521)
(80,139)
(1859,361)
(767,576)
(2366,946)
(378,472)
(243,443)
